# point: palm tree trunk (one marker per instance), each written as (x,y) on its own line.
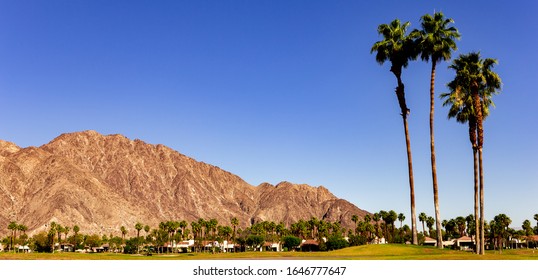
(411,183)
(434,167)
(400,94)
(480,141)
(476,202)
(481,171)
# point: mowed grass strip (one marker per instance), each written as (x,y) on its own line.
(367,252)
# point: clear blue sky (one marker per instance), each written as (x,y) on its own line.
(277,90)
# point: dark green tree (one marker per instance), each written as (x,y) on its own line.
(291,242)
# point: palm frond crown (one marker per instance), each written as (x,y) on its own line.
(396,46)
(470,68)
(437,38)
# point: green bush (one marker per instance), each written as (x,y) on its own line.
(291,242)
(356,240)
(255,240)
(42,242)
(336,242)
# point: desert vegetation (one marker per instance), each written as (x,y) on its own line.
(208,235)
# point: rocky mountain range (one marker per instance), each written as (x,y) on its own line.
(104,182)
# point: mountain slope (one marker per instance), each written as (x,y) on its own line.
(104,182)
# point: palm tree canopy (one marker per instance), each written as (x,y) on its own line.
(12,225)
(471,70)
(436,40)
(422,216)
(396,46)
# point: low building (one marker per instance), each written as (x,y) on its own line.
(378,240)
(186,246)
(428,241)
(531,241)
(465,243)
(23,249)
(66,247)
(274,247)
(309,245)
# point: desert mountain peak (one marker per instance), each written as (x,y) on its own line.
(102,182)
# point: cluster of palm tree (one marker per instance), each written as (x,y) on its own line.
(56,229)
(469,97)
(54,234)
(203,230)
(368,229)
(497,231)
(14,227)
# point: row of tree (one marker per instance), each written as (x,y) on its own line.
(469,97)
(369,229)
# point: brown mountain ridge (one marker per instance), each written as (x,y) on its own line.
(104,182)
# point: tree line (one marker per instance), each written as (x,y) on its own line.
(369,229)
(469,98)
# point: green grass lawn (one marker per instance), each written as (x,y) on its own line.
(367,252)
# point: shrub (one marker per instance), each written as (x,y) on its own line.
(255,241)
(42,242)
(336,242)
(291,242)
(356,240)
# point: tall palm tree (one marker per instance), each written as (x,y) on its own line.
(436,42)
(66,231)
(76,229)
(172,227)
(501,222)
(401,218)
(13,226)
(422,217)
(281,228)
(235,222)
(399,48)
(470,99)
(536,218)
(526,226)
(392,217)
(146,229)
(59,230)
(203,224)
(22,228)
(123,233)
(461,224)
(355,219)
(471,226)
(462,102)
(183,226)
(376,219)
(314,223)
(429,223)
(51,234)
(22,233)
(196,227)
(138,228)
